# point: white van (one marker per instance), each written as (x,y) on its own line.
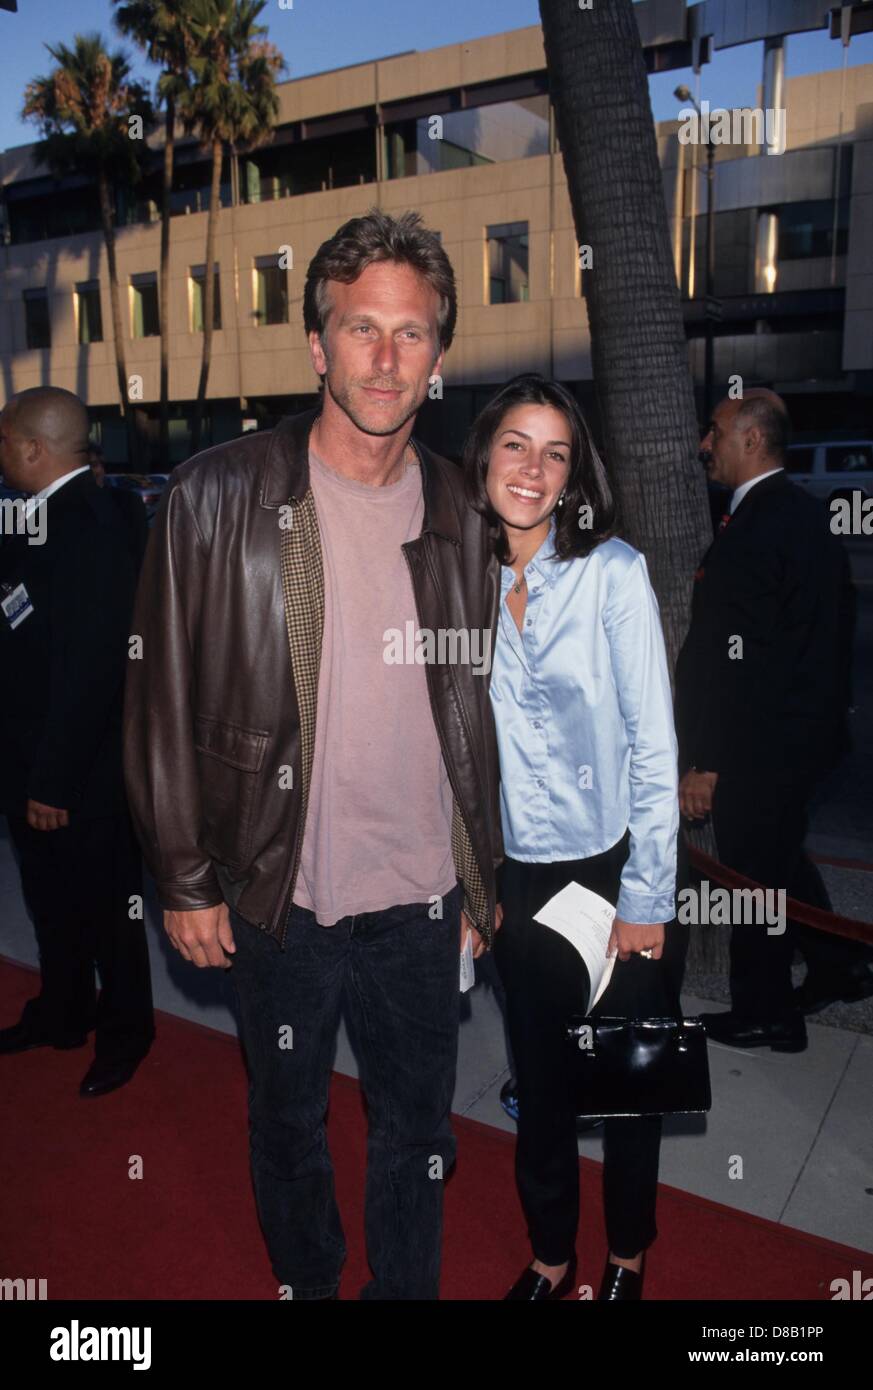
(832,469)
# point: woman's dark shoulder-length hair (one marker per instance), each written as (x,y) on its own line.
(577,532)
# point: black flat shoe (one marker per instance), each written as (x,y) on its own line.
(532,1287)
(620,1285)
(787,1036)
(105,1076)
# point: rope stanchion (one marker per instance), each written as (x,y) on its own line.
(858,865)
(803,913)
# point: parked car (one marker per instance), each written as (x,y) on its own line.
(834,468)
(148,486)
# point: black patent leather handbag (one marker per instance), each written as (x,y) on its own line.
(630,1067)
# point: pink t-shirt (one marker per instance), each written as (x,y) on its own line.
(378,823)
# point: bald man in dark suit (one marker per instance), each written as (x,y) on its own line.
(761,695)
(67,578)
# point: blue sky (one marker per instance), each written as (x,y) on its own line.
(319,34)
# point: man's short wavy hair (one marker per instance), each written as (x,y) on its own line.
(377,236)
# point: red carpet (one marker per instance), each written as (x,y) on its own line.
(70,1213)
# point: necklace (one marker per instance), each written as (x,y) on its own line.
(518,587)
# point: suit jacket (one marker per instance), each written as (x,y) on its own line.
(777,579)
(132,508)
(62,667)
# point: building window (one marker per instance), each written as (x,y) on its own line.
(271,291)
(506,264)
(144,319)
(89,319)
(36,319)
(807,229)
(462,139)
(197,289)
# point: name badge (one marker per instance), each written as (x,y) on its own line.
(16,606)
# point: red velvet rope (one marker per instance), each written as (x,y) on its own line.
(795,911)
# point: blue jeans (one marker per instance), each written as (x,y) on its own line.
(397,974)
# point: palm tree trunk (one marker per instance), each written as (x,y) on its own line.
(208,292)
(642,380)
(108,220)
(164,298)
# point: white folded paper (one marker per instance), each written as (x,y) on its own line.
(585,919)
(468,971)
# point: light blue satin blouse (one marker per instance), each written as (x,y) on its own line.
(584,721)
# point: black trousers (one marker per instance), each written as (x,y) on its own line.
(545,982)
(77,882)
(760,826)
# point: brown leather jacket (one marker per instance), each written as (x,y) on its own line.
(221,692)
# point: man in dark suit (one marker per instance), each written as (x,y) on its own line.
(130,505)
(67,578)
(760,701)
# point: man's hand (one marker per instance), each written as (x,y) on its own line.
(42,817)
(629,938)
(203,935)
(695,794)
(467,926)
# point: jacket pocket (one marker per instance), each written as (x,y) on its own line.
(229,759)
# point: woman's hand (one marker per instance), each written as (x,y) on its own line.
(629,938)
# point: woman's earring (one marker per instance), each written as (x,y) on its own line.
(561,500)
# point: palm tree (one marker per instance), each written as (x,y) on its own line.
(84,108)
(642,380)
(161,28)
(232,99)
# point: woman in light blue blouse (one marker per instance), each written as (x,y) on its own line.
(582,705)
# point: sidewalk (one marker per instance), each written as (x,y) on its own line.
(802,1124)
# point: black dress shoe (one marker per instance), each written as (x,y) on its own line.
(849,987)
(21,1038)
(620,1285)
(532,1287)
(786,1036)
(107,1075)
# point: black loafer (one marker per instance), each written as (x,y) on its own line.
(620,1285)
(787,1036)
(105,1076)
(851,987)
(531,1287)
(20,1038)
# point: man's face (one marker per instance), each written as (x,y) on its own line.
(380,346)
(725,445)
(14,452)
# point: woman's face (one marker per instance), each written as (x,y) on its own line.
(529,465)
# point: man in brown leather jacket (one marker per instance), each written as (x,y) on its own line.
(310,757)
